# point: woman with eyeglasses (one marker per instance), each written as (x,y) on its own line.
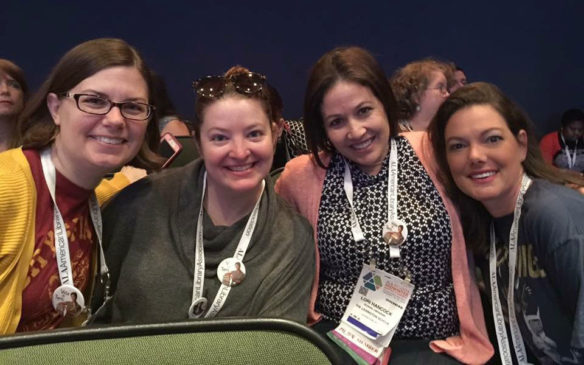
(174,237)
(91,116)
(420,87)
(525,227)
(13,95)
(363,183)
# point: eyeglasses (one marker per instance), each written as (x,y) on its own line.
(443,89)
(247,83)
(99,105)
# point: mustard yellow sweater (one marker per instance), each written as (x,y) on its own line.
(18,200)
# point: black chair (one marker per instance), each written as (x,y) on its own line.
(217,341)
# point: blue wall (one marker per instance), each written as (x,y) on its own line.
(533,50)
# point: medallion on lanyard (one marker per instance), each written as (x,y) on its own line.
(231,272)
(395,233)
(68,301)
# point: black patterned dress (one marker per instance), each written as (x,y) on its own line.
(431,312)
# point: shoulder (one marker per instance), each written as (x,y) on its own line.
(552,213)
(16,179)
(301,173)
(548,139)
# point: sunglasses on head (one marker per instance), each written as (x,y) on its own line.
(247,83)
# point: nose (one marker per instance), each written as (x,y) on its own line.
(114,117)
(476,154)
(239,149)
(4,87)
(356,130)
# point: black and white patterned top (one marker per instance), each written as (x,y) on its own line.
(431,313)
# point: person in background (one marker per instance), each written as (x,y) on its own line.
(458,78)
(525,226)
(173,236)
(91,116)
(350,121)
(168,119)
(564,148)
(420,87)
(13,95)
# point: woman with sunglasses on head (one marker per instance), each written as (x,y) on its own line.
(91,116)
(13,95)
(212,238)
(525,227)
(420,87)
(362,182)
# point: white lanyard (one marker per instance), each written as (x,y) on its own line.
(61,241)
(199,274)
(502,338)
(392,182)
(571,159)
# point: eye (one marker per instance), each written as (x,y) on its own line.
(218,138)
(135,108)
(334,123)
(455,146)
(494,139)
(93,101)
(14,84)
(255,134)
(364,111)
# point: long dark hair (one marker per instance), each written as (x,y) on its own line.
(36,126)
(475,218)
(349,64)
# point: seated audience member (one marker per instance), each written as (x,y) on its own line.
(458,78)
(13,95)
(172,237)
(565,148)
(91,116)
(525,226)
(420,87)
(361,183)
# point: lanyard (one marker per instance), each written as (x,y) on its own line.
(199,274)
(61,241)
(571,159)
(502,338)
(391,193)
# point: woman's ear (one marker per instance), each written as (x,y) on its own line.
(53,104)
(277,128)
(523,140)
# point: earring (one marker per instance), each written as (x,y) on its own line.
(418,108)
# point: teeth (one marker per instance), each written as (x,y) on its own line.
(483,175)
(109,140)
(240,168)
(360,146)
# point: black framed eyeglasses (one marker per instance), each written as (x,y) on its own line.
(98,105)
(247,83)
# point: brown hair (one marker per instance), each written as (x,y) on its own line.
(264,96)
(351,64)
(409,82)
(36,125)
(475,218)
(17,74)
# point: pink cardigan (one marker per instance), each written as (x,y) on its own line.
(301,185)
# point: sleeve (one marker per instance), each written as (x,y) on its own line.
(286,291)
(107,189)
(17,215)
(548,147)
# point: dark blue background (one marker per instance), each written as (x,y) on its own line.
(531,49)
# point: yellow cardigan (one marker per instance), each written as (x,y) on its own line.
(18,201)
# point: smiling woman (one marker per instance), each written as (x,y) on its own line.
(90,117)
(212,238)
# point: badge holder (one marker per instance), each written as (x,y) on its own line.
(373,314)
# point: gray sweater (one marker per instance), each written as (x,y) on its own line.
(149,237)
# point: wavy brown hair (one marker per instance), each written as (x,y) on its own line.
(475,218)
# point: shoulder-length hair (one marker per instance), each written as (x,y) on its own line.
(36,125)
(475,218)
(352,64)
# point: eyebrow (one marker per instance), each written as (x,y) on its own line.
(105,96)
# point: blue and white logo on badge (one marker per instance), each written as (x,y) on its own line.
(372,282)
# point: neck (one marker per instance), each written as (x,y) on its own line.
(82,176)
(420,121)
(505,204)
(227,207)
(7,130)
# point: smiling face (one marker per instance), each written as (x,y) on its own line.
(11,96)
(237,144)
(485,157)
(87,145)
(356,124)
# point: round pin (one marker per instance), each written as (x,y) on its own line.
(198,308)
(231,272)
(395,233)
(68,301)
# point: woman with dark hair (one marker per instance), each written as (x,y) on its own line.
(173,237)
(364,180)
(91,116)
(526,227)
(419,88)
(13,95)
